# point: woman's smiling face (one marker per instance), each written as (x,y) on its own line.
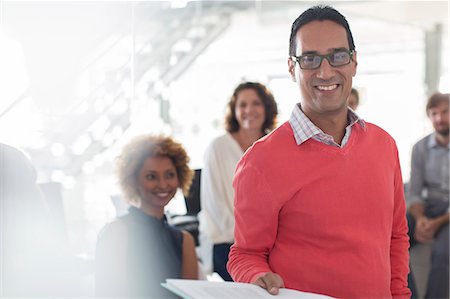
(157,183)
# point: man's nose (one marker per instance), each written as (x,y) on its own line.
(326,71)
(440,117)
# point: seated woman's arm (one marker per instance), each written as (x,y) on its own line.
(189,264)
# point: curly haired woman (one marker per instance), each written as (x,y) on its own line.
(138,251)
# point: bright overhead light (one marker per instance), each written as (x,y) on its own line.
(88,167)
(99,127)
(152,74)
(57,176)
(119,107)
(58,149)
(68,182)
(183,45)
(178,4)
(81,144)
(108,139)
(173,60)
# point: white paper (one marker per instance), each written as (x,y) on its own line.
(202,289)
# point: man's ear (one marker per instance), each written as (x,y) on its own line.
(291,69)
(356,64)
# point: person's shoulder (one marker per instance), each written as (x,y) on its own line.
(14,156)
(187,237)
(421,144)
(188,242)
(176,233)
(378,132)
(224,138)
(16,166)
(112,239)
(379,139)
(283,133)
(219,145)
(424,140)
(174,230)
(373,128)
(9,150)
(280,138)
(117,224)
(220,141)
(114,230)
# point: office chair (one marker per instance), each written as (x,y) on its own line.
(189,221)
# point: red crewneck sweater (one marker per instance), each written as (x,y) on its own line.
(328,220)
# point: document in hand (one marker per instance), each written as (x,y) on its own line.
(202,289)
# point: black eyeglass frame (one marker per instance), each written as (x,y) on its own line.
(326,56)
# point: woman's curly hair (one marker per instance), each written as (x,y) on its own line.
(132,158)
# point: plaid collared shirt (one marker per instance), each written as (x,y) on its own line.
(304,129)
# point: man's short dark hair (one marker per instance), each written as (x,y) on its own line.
(437,99)
(319,13)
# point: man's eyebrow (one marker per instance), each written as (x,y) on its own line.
(339,49)
(309,52)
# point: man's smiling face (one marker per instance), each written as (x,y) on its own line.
(324,90)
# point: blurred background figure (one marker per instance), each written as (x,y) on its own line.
(34,261)
(428,213)
(252,113)
(353,99)
(138,251)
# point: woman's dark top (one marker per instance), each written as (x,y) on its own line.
(154,253)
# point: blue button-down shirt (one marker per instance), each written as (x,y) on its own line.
(430,171)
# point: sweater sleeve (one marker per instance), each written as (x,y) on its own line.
(399,239)
(256,216)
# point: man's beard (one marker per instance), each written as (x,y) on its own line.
(443,132)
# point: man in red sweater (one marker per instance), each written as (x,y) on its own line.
(319,202)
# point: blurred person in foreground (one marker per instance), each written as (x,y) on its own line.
(138,251)
(428,212)
(251,114)
(34,262)
(319,202)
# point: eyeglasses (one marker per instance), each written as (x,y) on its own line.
(313,61)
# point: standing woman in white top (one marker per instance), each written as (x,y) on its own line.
(252,113)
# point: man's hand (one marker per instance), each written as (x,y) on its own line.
(425,230)
(434,224)
(272,282)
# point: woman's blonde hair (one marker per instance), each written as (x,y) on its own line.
(133,155)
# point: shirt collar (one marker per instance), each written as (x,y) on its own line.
(304,129)
(432,142)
